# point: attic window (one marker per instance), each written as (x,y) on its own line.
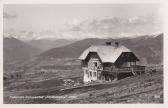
(95,64)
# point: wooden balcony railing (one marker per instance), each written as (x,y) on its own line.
(121,70)
(125,69)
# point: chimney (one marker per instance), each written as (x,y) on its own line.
(108,43)
(116,44)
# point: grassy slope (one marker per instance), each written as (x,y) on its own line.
(138,89)
(15,50)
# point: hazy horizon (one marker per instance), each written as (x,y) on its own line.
(81,21)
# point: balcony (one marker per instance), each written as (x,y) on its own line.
(135,69)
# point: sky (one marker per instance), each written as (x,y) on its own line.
(81,20)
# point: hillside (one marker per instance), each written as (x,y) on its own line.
(152,46)
(58,74)
(147,88)
(46,44)
(148,49)
(14,50)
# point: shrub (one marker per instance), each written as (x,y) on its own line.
(4,78)
(90,94)
(12,76)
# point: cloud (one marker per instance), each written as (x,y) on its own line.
(8,16)
(105,27)
(75,22)
(113,27)
(136,20)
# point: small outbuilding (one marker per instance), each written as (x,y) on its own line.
(109,63)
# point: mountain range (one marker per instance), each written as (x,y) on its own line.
(46,44)
(149,49)
(18,50)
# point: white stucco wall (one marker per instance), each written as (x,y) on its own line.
(87,77)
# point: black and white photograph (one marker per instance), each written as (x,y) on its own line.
(83,53)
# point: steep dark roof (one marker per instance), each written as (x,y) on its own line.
(106,53)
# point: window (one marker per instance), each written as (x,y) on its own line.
(95,74)
(100,67)
(90,74)
(99,77)
(95,64)
(87,74)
